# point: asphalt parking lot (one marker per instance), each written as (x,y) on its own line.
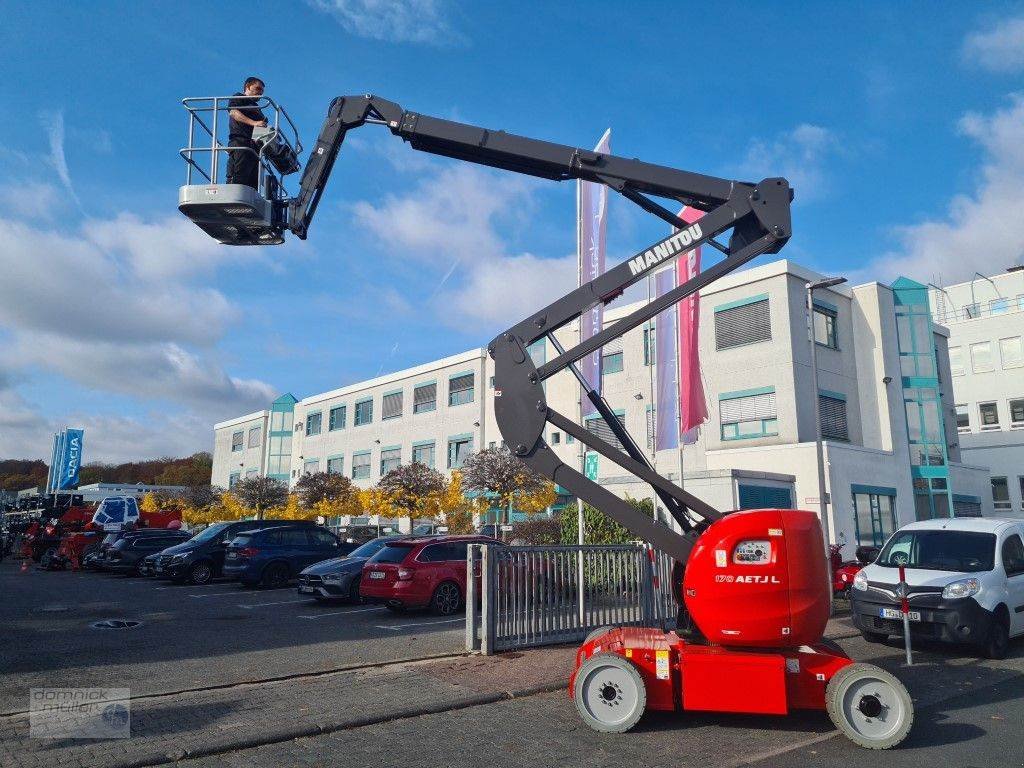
(222,676)
(189,637)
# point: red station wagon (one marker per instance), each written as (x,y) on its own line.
(420,572)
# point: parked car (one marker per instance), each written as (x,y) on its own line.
(339,577)
(148,565)
(95,558)
(965,584)
(357,535)
(201,559)
(125,555)
(420,572)
(274,556)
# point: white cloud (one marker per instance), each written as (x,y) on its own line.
(396,21)
(30,200)
(999,48)
(798,154)
(54,124)
(982,230)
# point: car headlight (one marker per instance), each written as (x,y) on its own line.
(860,582)
(960,589)
(177,558)
(332,577)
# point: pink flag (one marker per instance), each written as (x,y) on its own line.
(693,408)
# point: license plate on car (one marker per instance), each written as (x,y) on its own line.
(232,555)
(376,574)
(896,613)
(307,590)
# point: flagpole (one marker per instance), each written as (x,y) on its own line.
(653,422)
(580,519)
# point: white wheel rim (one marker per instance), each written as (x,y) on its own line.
(872,708)
(609,694)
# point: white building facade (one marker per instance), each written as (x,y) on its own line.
(985,317)
(890,456)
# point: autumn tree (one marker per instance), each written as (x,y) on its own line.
(318,487)
(497,472)
(413,489)
(260,494)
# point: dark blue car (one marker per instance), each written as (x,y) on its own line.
(274,556)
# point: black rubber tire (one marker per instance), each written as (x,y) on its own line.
(874,637)
(997,641)
(446,600)
(870,730)
(627,683)
(353,590)
(275,575)
(201,573)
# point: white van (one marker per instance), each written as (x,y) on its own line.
(965,584)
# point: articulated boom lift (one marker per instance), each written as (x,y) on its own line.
(753,583)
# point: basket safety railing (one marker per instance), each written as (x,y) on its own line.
(215,110)
(545,595)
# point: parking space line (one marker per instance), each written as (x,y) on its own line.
(339,613)
(236,593)
(278,602)
(417,624)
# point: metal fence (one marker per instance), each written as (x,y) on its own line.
(545,595)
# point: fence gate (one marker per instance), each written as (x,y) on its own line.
(545,595)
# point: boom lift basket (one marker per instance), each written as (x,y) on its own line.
(237,214)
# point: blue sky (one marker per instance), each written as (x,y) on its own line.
(901,127)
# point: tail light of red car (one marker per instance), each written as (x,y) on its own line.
(405,574)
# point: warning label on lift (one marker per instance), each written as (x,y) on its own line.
(661,664)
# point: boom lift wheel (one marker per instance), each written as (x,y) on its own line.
(609,693)
(869,706)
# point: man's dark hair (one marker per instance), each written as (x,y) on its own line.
(251,80)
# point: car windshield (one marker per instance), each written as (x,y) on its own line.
(940,551)
(369,549)
(210,532)
(392,553)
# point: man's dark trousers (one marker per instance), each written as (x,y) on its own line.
(243,167)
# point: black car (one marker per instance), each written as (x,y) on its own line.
(148,565)
(95,557)
(201,559)
(338,577)
(126,554)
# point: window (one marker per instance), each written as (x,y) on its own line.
(424,454)
(747,323)
(1000,494)
(233,479)
(490,382)
(361,466)
(989,415)
(391,406)
(336,465)
(255,435)
(298,427)
(459,449)
(336,419)
(310,466)
(252,473)
(556,438)
(460,389)
(651,429)
(390,458)
(999,306)
(313,421)
(237,441)
(981,357)
(1017,413)
(597,426)
(874,516)
(611,357)
(963,419)
(956,361)
(322,538)
(649,344)
(1013,555)
(825,327)
(364,412)
(1011,352)
(424,398)
(435,553)
(750,415)
(833,418)
(569,440)
(972,310)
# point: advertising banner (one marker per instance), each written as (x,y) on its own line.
(666,417)
(693,408)
(591,225)
(71,460)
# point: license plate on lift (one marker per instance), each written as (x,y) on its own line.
(376,574)
(896,613)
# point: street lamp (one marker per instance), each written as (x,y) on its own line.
(823,500)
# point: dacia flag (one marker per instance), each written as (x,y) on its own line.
(71,459)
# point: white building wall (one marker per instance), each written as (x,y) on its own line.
(248,460)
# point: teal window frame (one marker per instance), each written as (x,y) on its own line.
(317,418)
(649,339)
(418,446)
(307,462)
(453,442)
(423,407)
(730,430)
(233,479)
(334,423)
(238,441)
(368,455)
(464,396)
(611,363)
(258,432)
(883,522)
(356,422)
(401,404)
(384,468)
(336,457)
(830,325)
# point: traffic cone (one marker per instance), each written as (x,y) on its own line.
(24,565)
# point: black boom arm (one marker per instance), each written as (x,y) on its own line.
(757,216)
